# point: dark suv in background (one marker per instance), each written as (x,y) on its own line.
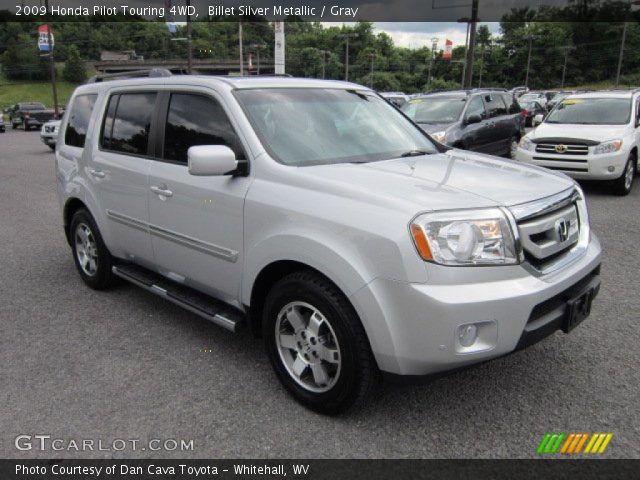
(487,121)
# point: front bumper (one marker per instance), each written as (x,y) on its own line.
(49,139)
(414,329)
(580,167)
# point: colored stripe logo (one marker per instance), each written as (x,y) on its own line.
(574,443)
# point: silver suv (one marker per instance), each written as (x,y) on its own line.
(321,217)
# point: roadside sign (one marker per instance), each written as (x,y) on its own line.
(448,50)
(43,38)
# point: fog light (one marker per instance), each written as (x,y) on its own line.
(467,335)
(611,169)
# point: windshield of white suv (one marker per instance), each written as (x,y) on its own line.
(317,126)
(592,111)
(434,110)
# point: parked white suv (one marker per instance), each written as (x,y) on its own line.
(590,136)
(323,218)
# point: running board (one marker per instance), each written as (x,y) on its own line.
(203,305)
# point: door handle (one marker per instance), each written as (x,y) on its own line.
(96,173)
(162,190)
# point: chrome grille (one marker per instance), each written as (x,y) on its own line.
(550,232)
(563,148)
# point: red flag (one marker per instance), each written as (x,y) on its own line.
(448,50)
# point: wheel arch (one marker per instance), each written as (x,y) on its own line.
(71,206)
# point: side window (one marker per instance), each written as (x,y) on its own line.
(195,119)
(127,123)
(495,105)
(476,107)
(76,132)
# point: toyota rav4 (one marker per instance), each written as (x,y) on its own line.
(321,217)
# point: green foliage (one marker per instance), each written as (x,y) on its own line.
(74,67)
(24,63)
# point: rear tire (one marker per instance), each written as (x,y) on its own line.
(25,126)
(90,254)
(623,185)
(317,345)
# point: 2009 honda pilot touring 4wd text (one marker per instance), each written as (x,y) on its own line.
(321,217)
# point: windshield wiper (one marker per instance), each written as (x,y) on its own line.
(414,153)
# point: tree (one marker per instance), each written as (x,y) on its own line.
(74,68)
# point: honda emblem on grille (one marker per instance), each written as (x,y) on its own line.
(560,148)
(562,229)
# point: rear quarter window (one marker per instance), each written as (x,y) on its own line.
(79,116)
(127,123)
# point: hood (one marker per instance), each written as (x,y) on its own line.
(454,179)
(434,127)
(597,133)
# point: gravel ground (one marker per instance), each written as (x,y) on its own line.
(122,364)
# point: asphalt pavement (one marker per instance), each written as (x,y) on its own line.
(77,364)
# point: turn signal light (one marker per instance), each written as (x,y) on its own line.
(420,241)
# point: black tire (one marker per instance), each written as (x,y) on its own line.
(622,186)
(25,126)
(14,125)
(52,147)
(358,373)
(102,277)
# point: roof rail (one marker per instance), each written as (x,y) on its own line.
(151,73)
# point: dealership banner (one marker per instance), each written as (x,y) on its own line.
(43,38)
(65,469)
(320,10)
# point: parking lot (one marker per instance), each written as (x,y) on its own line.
(122,364)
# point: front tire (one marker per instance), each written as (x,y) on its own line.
(623,185)
(90,254)
(316,344)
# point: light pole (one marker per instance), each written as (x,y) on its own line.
(472,44)
(52,66)
(189,46)
(347,36)
(258,47)
(241,49)
(324,61)
(434,46)
(373,56)
(466,46)
(564,65)
(530,38)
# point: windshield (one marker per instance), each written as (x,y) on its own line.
(434,110)
(529,97)
(32,106)
(316,126)
(592,111)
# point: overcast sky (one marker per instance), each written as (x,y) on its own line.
(418,34)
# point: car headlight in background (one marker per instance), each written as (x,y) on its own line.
(439,136)
(465,237)
(527,144)
(608,147)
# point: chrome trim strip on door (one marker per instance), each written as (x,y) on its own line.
(215,250)
(130,222)
(204,247)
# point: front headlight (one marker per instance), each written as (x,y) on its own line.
(608,147)
(527,144)
(439,136)
(465,237)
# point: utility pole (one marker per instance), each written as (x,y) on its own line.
(472,44)
(567,48)
(346,63)
(481,66)
(241,49)
(621,55)
(373,56)
(189,46)
(52,66)
(466,46)
(434,45)
(324,60)
(530,38)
